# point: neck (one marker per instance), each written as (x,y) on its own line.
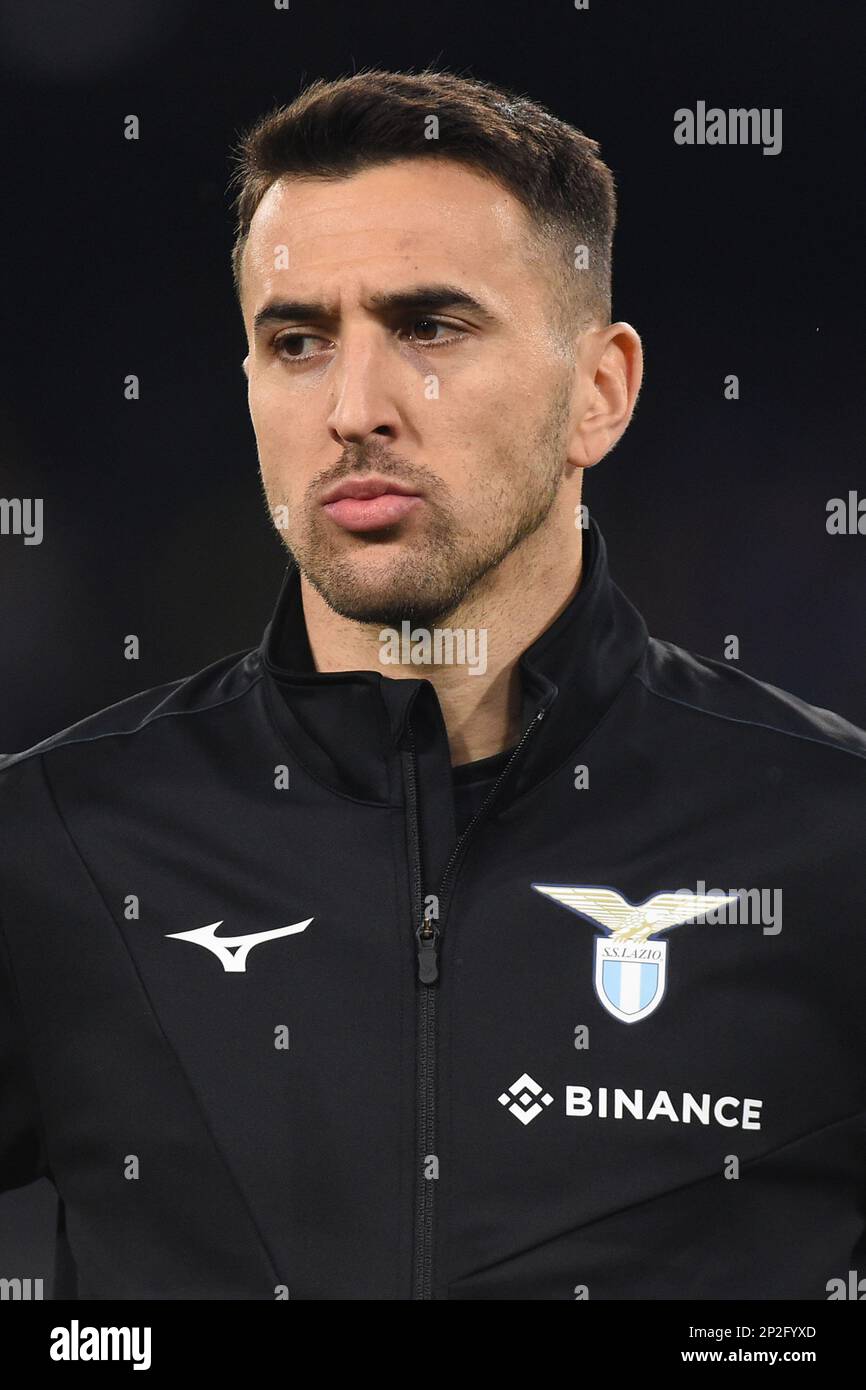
(481,698)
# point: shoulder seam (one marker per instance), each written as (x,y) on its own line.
(751,723)
(39,749)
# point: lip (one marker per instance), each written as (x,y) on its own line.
(363,489)
(372,513)
(369,504)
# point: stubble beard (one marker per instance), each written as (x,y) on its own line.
(430,576)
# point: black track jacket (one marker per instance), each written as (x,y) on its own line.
(273,1031)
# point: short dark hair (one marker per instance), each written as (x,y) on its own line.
(337,128)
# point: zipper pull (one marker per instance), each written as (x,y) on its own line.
(428,965)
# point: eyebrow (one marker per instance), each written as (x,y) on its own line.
(420,297)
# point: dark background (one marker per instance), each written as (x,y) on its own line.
(116,260)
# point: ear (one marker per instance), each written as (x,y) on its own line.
(607,382)
(246,366)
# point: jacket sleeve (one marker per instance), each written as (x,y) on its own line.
(22,1152)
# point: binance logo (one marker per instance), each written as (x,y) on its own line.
(524,1099)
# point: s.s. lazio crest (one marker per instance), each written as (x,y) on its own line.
(630,964)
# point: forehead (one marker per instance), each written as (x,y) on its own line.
(428,216)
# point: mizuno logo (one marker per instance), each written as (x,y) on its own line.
(233,950)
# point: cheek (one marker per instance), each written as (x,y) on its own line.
(278,430)
(285,442)
(491,408)
(265,411)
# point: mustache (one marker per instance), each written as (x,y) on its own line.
(358,461)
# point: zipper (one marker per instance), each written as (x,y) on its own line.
(427,934)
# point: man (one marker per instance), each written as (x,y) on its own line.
(435,948)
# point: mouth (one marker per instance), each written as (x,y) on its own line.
(369,504)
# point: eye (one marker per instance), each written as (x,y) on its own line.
(287,341)
(430,322)
(290,346)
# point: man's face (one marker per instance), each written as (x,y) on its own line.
(465,408)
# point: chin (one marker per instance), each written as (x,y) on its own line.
(385,605)
(383,581)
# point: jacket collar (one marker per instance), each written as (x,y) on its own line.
(346,727)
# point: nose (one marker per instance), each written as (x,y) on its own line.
(365,390)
